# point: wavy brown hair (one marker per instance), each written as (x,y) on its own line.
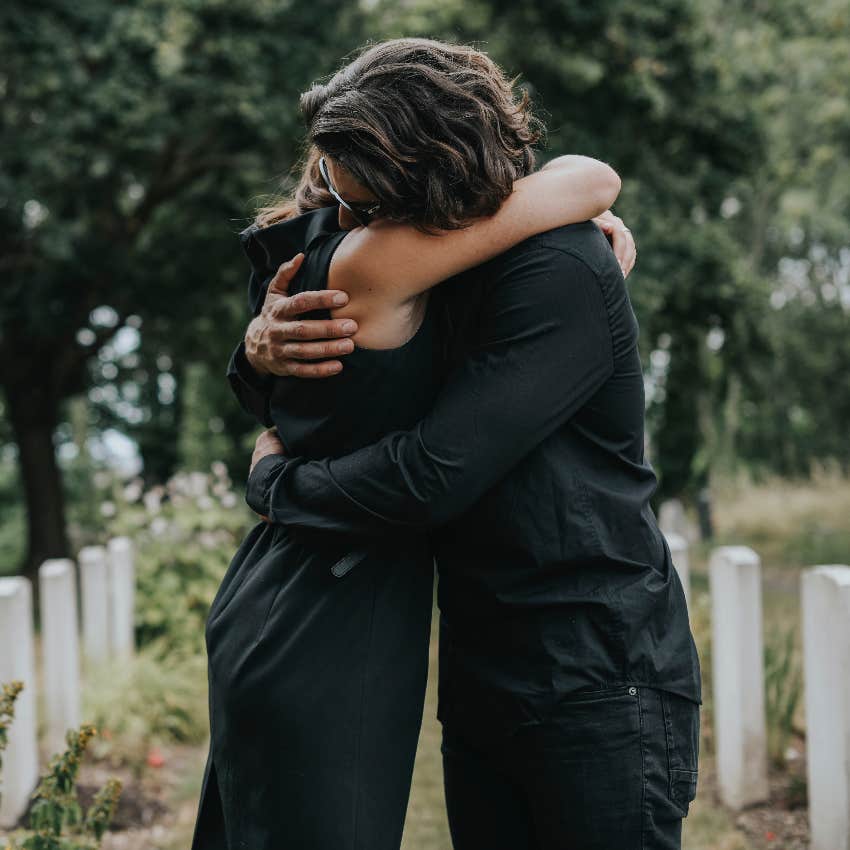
(435,130)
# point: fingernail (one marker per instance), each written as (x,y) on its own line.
(336,367)
(340,298)
(349,327)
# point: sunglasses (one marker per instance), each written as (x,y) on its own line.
(362,213)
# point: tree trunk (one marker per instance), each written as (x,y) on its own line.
(679,436)
(34,413)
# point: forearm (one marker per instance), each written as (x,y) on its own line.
(393,262)
(572,188)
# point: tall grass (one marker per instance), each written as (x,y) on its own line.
(783,689)
(790,523)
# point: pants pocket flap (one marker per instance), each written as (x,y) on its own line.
(683,787)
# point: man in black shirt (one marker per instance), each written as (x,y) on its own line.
(569,683)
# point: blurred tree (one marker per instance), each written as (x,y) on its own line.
(133,134)
(793,213)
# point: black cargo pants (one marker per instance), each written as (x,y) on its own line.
(613,769)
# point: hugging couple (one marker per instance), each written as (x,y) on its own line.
(445,356)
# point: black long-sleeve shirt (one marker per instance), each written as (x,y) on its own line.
(554,576)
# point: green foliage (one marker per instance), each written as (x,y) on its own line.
(56,819)
(135,138)
(185,533)
(12,515)
(146,702)
(783,685)
(792,213)
(7,713)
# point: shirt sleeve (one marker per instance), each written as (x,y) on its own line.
(251,389)
(544,349)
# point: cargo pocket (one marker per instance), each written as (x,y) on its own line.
(683,788)
(681,723)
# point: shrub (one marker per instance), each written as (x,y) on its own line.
(56,819)
(145,702)
(185,535)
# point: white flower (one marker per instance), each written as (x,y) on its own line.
(158,526)
(153,500)
(197,484)
(107,508)
(228,500)
(133,490)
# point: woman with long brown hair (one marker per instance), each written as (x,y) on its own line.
(419,167)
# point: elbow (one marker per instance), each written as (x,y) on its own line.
(609,187)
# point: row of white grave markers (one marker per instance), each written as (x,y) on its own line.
(20,760)
(108,582)
(107,590)
(738,676)
(738,682)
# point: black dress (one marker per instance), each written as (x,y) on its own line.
(317,646)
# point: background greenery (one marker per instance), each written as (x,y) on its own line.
(137,138)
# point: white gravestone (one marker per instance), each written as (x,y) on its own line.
(60,646)
(94,593)
(672,519)
(17,661)
(738,675)
(826,655)
(679,553)
(122,588)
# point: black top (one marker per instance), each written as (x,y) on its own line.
(554,576)
(378,390)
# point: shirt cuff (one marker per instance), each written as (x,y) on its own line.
(239,366)
(260,481)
